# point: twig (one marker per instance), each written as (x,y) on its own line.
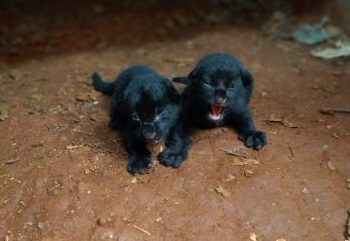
(292,156)
(333,111)
(347,231)
(235,153)
(136,227)
(281,121)
(140,229)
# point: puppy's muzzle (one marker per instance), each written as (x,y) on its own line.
(148,132)
(220,97)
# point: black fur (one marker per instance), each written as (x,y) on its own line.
(217,93)
(145,106)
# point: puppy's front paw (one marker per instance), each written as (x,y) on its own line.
(139,165)
(172,158)
(254,139)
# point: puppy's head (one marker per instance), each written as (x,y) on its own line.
(152,112)
(219,87)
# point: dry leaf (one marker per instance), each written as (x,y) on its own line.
(331,166)
(281,121)
(244,161)
(71,147)
(4,114)
(222,191)
(235,152)
(11,161)
(229,178)
(253,237)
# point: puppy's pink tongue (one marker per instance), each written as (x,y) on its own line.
(216,110)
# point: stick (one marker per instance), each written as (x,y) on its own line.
(235,153)
(347,231)
(140,229)
(292,156)
(333,111)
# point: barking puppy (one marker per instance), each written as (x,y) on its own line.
(144,107)
(217,93)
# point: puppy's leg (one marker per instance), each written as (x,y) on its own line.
(243,122)
(177,145)
(115,122)
(140,159)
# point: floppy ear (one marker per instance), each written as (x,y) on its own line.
(247,78)
(173,95)
(193,75)
(182,80)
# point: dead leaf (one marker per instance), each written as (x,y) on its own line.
(253,237)
(244,161)
(11,161)
(4,114)
(87,96)
(248,172)
(71,146)
(331,166)
(229,178)
(282,121)
(235,152)
(219,189)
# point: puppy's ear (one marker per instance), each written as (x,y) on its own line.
(247,78)
(173,95)
(182,80)
(194,74)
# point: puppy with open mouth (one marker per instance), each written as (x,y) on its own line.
(217,93)
(145,106)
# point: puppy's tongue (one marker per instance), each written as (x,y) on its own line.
(216,109)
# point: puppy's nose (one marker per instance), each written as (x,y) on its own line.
(220,100)
(148,131)
(220,96)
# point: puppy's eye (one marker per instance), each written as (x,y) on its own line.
(232,84)
(206,84)
(135,117)
(157,118)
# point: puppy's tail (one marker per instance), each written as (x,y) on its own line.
(99,85)
(182,80)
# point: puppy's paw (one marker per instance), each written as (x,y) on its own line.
(171,158)
(254,139)
(139,165)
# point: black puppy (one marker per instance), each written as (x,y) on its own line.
(145,106)
(217,93)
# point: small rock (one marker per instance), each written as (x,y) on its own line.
(102,221)
(87,171)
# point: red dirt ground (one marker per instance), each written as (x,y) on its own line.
(69,182)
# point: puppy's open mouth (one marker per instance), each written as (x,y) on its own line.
(216,111)
(152,142)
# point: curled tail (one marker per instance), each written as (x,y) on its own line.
(99,85)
